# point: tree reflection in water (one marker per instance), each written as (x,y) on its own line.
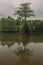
(11,39)
(23,54)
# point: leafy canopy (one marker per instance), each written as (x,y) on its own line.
(24,10)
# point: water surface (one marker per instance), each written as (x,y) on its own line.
(17,49)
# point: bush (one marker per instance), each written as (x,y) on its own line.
(25,28)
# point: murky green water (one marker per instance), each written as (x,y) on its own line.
(17,49)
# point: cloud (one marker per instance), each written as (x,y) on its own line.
(8,7)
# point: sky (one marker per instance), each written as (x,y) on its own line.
(8,7)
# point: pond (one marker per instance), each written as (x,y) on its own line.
(19,49)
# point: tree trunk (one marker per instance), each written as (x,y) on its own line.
(25,17)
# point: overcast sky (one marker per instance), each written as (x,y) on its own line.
(8,7)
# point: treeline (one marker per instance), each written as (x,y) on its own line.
(11,25)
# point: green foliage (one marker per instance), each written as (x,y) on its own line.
(10,25)
(25,28)
(7,25)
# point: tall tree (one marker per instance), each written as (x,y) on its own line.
(24,10)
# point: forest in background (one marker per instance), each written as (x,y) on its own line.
(11,25)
